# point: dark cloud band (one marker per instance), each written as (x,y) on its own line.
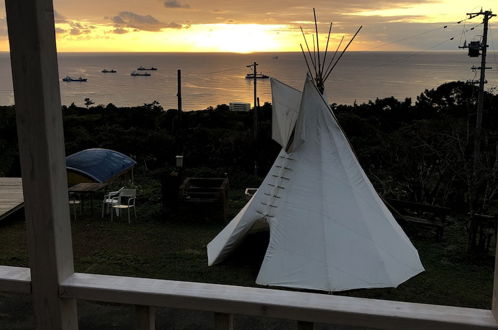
(127,19)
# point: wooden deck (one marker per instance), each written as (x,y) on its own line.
(11,197)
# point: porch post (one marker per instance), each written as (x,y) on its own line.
(41,147)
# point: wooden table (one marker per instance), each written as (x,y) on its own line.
(87,188)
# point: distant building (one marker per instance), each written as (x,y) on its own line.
(240,106)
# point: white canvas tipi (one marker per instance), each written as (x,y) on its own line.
(329,229)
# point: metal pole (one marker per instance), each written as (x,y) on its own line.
(255,121)
(178,130)
(255,103)
(255,118)
(179,94)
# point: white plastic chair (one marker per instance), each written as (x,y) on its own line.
(249,192)
(75,202)
(110,199)
(126,201)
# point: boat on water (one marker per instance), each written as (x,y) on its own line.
(69,79)
(140,74)
(258,76)
(108,71)
(141,68)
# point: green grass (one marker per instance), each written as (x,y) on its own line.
(174,247)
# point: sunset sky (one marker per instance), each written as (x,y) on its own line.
(248,26)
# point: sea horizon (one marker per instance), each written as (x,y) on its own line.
(210,79)
(272,52)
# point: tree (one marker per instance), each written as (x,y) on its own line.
(88,102)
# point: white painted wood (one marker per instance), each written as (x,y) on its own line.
(145,317)
(494,307)
(223,321)
(309,307)
(15,280)
(41,147)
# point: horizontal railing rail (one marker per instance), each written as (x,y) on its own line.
(228,299)
(15,280)
(281,304)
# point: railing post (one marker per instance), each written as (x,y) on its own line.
(302,325)
(41,146)
(223,321)
(145,317)
(494,307)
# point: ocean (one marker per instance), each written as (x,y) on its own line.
(209,79)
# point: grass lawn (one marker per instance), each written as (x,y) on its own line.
(174,247)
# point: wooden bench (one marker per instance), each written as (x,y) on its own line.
(482,229)
(205,192)
(430,216)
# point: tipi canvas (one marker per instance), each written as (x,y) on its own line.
(329,229)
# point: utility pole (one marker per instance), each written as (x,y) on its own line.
(179,94)
(476,49)
(179,128)
(255,118)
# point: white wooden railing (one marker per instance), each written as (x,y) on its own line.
(226,300)
(51,280)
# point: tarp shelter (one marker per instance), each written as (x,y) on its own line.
(97,165)
(329,229)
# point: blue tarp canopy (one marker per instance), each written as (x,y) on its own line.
(99,164)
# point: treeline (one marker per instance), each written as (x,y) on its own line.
(419,151)
(423,152)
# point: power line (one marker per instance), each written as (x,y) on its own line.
(414,53)
(472,28)
(481,51)
(409,37)
(443,27)
(221,71)
(494,52)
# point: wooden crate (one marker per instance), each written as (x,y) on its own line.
(209,195)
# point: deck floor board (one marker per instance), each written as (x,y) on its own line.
(11,196)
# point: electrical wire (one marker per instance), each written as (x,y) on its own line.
(409,37)
(463,35)
(225,70)
(427,32)
(411,54)
(494,51)
(472,28)
(441,43)
(451,38)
